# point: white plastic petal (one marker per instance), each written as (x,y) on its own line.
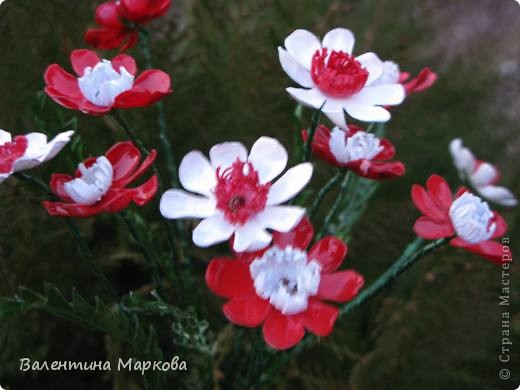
(93,184)
(179,204)
(269,158)
(290,184)
(281,218)
(366,112)
(212,230)
(225,154)
(302,45)
(196,174)
(499,195)
(339,39)
(337,117)
(373,64)
(386,94)
(463,159)
(5,137)
(308,97)
(294,70)
(484,175)
(251,237)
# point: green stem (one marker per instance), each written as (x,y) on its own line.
(130,132)
(337,203)
(307,146)
(323,192)
(83,249)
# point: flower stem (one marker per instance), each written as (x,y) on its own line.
(323,192)
(307,146)
(83,249)
(337,203)
(130,132)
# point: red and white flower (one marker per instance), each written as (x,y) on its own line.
(238,195)
(335,80)
(283,287)
(103,85)
(119,19)
(362,152)
(100,184)
(465,217)
(482,175)
(28,151)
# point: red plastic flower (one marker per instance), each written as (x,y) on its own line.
(424,80)
(466,218)
(102,85)
(100,184)
(118,21)
(362,152)
(283,287)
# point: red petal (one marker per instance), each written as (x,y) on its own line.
(320,145)
(377,170)
(135,10)
(282,332)
(300,237)
(329,252)
(106,38)
(153,80)
(340,286)
(62,209)
(146,191)
(424,80)
(116,200)
(158,8)
(124,157)
(388,151)
(229,278)
(83,58)
(143,167)
(133,38)
(431,230)
(426,205)
(501,223)
(490,250)
(440,191)
(107,14)
(248,311)
(61,81)
(57,185)
(320,318)
(125,61)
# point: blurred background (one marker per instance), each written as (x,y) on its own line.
(439,327)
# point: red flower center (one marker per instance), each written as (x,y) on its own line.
(10,152)
(338,74)
(239,192)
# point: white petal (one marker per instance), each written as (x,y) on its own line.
(179,204)
(4,176)
(196,174)
(308,97)
(499,195)
(302,45)
(463,159)
(39,150)
(337,117)
(485,175)
(294,70)
(251,237)
(5,137)
(386,94)
(289,184)
(281,218)
(373,64)
(212,230)
(268,157)
(339,39)
(366,112)
(225,154)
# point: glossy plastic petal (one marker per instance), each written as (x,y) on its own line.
(320,318)
(229,278)
(247,311)
(329,252)
(299,237)
(340,286)
(283,332)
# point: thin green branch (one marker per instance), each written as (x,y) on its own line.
(307,146)
(336,205)
(323,192)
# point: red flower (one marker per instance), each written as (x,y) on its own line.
(466,217)
(424,80)
(363,153)
(100,184)
(283,287)
(102,85)
(119,19)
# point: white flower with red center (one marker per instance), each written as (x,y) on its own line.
(482,175)
(335,80)
(28,151)
(239,196)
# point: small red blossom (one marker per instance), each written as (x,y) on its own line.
(363,153)
(464,217)
(424,80)
(283,287)
(100,184)
(118,21)
(101,85)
